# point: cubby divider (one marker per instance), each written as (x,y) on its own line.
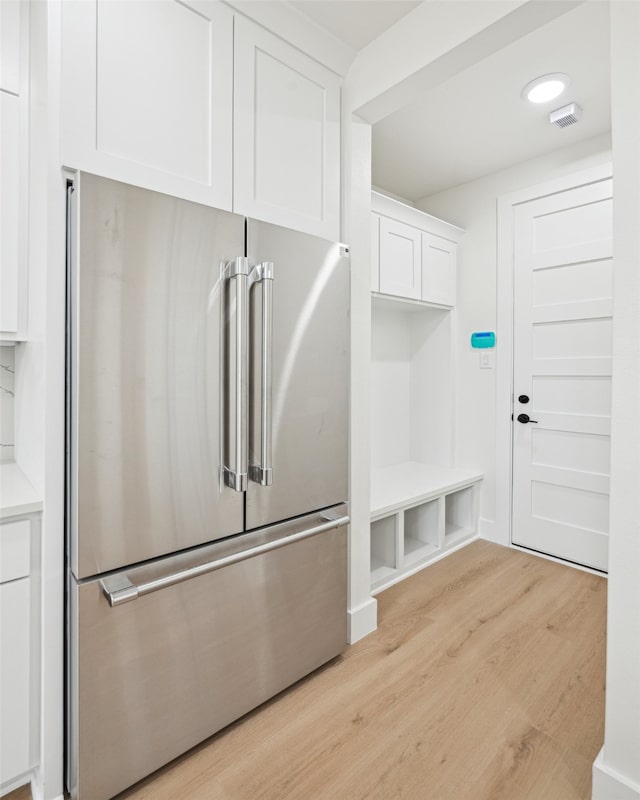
(419,513)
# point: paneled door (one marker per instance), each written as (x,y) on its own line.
(562,373)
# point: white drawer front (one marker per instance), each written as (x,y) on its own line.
(14,550)
(14,680)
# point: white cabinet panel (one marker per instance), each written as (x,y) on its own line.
(438,270)
(400,261)
(14,550)
(375,253)
(14,679)
(147,94)
(9,205)
(286,134)
(10,46)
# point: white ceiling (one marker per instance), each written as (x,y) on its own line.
(355,22)
(476,123)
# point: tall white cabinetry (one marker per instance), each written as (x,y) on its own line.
(19,629)
(14,79)
(193,99)
(423,505)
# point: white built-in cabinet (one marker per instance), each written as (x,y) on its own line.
(400,264)
(19,673)
(438,269)
(423,504)
(13,168)
(286,134)
(147,92)
(193,99)
(414,254)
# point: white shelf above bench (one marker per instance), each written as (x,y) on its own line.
(419,512)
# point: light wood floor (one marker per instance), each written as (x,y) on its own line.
(484,681)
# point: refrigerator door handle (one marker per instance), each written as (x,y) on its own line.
(235,471)
(118,589)
(262,472)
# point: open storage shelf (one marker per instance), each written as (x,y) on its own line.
(459,521)
(421,531)
(419,512)
(420,509)
(384,560)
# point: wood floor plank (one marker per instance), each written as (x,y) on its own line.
(484,681)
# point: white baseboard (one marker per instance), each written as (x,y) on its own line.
(608,785)
(14,783)
(363,620)
(487,529)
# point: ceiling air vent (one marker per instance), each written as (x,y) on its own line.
(565,116)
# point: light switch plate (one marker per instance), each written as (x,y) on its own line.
(486,359)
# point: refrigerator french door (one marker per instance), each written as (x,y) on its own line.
(206,472)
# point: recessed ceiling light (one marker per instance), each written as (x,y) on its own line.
(546,87)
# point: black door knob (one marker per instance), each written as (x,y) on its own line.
(524,418)
(523,398)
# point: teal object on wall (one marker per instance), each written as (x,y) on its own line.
(482,339)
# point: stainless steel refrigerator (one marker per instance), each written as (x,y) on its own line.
(206,472)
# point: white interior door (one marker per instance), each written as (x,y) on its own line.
(562,364)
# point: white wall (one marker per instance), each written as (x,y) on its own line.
(390,386)
(410,408)
(472,206)
(617,770)
(356,230)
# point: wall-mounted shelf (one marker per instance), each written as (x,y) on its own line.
(419,512)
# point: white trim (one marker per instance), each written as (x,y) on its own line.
(403,574)
(609,785)
(394,209)
(295,28)
(557,560)
(487,530)
(15,783)
(504,330)
(363,620)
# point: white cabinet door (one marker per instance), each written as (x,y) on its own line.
(147,94)
(14,679)
(400,261)
(286,134)
(438,270)
(10,46)
(9,216)
(562,340)
(375,253)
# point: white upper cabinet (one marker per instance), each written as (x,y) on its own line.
(415,254)
(14,134)
(147,94)
(10,46)
(438,270)
(400,262)
(286,134)
(9,217)
(188,98)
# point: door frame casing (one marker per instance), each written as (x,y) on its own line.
(504,331)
